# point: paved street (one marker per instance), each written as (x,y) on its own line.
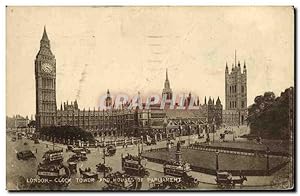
(27,169)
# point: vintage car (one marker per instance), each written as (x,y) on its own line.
(36,141)
(134,165)
(88,174)
(13,139)
(25,155)
(78,157)
(70,148)
(110,150)
(101,167)
(88,151)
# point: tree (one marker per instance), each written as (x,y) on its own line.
(269,116)
(68,132)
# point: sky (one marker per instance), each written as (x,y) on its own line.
(128,49)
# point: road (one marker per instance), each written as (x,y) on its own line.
(19,169)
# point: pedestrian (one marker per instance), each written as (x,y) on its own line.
(36,150)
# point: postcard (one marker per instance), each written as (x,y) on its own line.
(163,98)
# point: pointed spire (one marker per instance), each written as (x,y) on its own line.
(235,57)
(61,108)
(205,100)
(167,74)
(244,64)
(45,36)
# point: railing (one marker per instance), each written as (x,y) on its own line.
(213,171)
(240,151)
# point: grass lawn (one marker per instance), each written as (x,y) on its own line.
(226,161)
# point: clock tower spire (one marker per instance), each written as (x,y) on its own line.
(45,83)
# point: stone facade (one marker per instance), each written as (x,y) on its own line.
(45,80)
(235,112)
(125,121)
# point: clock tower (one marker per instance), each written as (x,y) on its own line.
(45,84)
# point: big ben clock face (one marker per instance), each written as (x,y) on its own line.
(47,68)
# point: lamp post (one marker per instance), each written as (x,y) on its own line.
(268,161)
(217,160)
(104,173)
(189,136)
(142,146)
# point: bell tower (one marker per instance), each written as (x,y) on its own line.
(45,84)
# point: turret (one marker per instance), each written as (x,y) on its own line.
(210,101)
(245,69)
(218,102)
(75,104)
(226,69)
(108,93)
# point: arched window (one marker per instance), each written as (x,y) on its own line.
(242,89)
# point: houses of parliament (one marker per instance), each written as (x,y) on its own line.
(136,121)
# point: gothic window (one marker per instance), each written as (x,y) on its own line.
(242,89)
(243,104)
(230,89)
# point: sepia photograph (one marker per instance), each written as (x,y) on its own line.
(150,98)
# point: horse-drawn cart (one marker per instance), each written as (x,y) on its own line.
(226,180)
